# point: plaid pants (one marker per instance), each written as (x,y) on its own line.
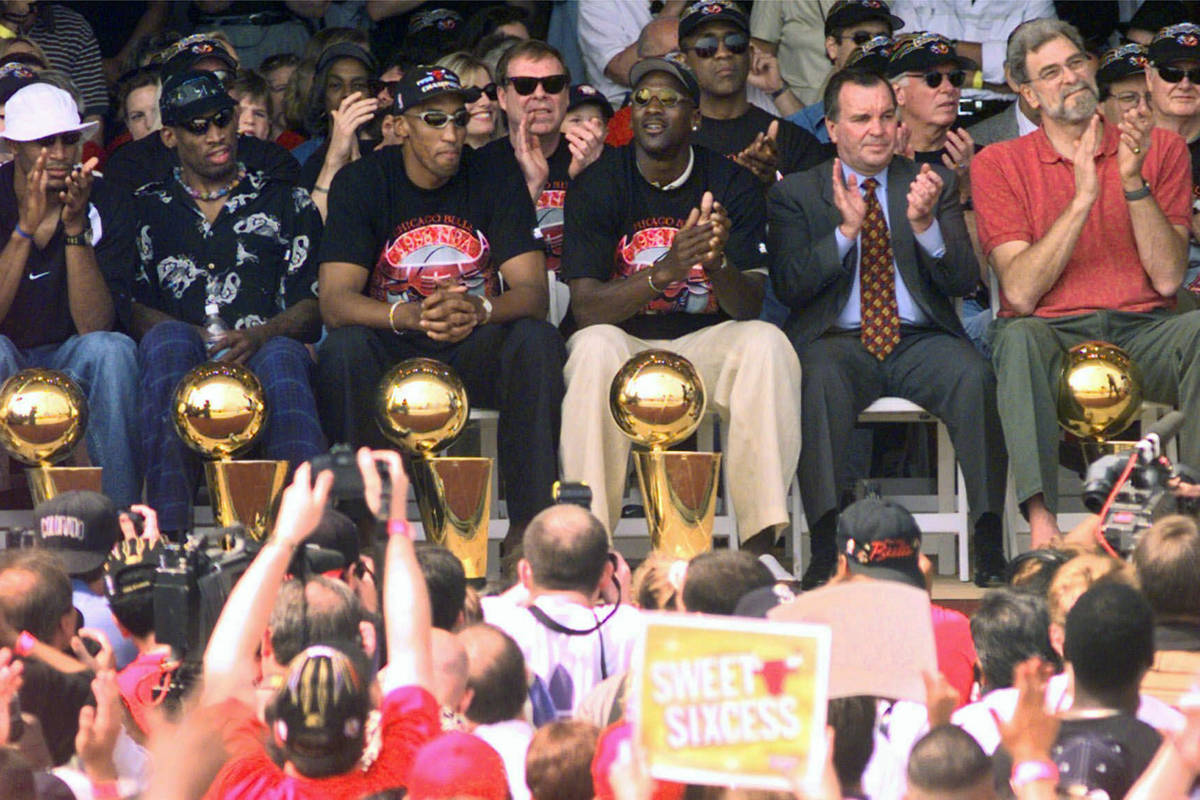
(292,433)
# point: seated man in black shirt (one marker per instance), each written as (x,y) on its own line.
(217,234)
(148,159)
(418,238)
(664,249)
(715,39)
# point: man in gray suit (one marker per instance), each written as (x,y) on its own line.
(866,253)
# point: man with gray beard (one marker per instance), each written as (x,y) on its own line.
(1085,223)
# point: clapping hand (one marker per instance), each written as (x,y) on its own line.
(761,156)
(923,194)
(849,202)
(74,198)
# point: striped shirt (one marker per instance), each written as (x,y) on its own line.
(71,46)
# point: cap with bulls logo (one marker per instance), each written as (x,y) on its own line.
(847,13)
(1176,43)
(424,83)
(917,52)
(706,11)
(583,94)
(880,539)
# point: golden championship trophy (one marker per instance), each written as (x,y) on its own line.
(43,415)
(219,411)
(657,399)
(1099,396)
(422,407)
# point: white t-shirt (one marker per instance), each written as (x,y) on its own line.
(606,27)
(511,740)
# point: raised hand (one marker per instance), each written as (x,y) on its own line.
(849,202)
(1087,184)
(761,156)
(960,149)
(923,194)
(764,71)
(904,146)
(690,247)
(373,482)
(33,204)
(528,150)
(1031,732)
(105,658)
(74,198)
(1134,145)
(302,505)
(99,727)
(586,143)
(352,113)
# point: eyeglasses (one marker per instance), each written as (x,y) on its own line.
(934,79)
(440,119)
(707,46)
(1053,72)
(70,139)
(551,84)
(490,91)
(1128,100)
(668,97)
(859,37)
(1175,75)
(198,126)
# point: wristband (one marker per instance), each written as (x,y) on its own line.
(392,317)
(650,280)
(977,80)
(1138,194)
(25,643)
(17,230)
(400,527)
(1026,772)
(322,189)
(105,790)
(775,95)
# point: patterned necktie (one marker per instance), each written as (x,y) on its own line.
(880,318)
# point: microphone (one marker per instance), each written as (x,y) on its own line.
(1151,445)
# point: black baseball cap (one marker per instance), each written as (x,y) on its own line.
(706,11)
(424,83)
(1176,43)
(347,50)
(1121,62)
(185,54)
(673,65)
(846,13)
(583,94)
(80,526)
(1088,762)
(1153,15)
(190,94)
(881,539)
(873,56)
(923,50)
(14,77)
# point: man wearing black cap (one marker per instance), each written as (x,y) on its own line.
(867,252)
(149,159)
(216,237)
(714,36)
(1121,79)
(664,249)
(418,239)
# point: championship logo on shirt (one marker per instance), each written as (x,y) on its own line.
(639,252)
(550,222)
(432,251)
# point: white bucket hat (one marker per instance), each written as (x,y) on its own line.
(40,110)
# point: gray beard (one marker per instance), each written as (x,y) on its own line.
(1079,112)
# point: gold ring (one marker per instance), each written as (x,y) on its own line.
(1137,151)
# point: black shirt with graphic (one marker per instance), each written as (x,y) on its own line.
(798,149)
(39,313)
(257,258)
(549,204)
(617,225)
(414,239)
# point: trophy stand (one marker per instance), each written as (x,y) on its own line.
(46,481)
(454,495)
(246,492)
(679,490)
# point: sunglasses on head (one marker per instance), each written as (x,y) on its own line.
(440,119)
(707,46)
(551,84)
(934,79)
(70,139)
(1175,75)
(668,97)
(198,126)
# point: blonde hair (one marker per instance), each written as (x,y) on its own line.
(1077,576)
(653,588)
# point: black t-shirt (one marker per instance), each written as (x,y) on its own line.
(40,313)
(147,160)
(1194,149)
(55,699)
(412,238)
(550,203)
(310,170)
(617,225)
(798,149)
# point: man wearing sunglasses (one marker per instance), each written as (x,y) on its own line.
(1174,85)
(417,240)
(1085,224)
(664,249)
(217,234)
(715,39)
(65,267)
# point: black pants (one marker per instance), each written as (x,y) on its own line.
(515,368)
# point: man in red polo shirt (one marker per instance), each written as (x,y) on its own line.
(1085,224)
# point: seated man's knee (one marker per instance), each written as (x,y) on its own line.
(172,333)
(536,338)
(603,342)
(1022,331)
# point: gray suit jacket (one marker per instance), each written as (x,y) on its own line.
(814,284)
(997,128)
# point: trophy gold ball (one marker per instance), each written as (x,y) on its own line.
(219,409)
(43,415)
(657,398)
(422,405)
(1099,391)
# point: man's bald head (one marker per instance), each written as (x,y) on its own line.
(567,549)
(659,37)
(450,669)
(496,674)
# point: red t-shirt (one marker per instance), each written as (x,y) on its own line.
(410,718)
(1022,186)
(955,650)
(620,128)
(137,683)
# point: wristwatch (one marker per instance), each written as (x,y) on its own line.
(83,239)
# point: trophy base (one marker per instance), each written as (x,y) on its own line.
(1093,451)
(680,493)
(455,495)
(47,482)
(246,493)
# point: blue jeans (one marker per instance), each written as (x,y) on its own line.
(292,432)
(104,364)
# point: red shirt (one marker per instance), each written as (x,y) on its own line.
(410,717)
(620,128)
(1022,186)
(955,650)
(137,683)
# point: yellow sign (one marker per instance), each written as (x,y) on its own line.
(730,702)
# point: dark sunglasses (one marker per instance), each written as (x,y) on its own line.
(858,37)
(552,84)
(490,91)
(934,79)
(440,119)
(1175,75)
(69,139)
(707,46)
(199,125)
(668,97)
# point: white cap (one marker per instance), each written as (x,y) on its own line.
(41,110)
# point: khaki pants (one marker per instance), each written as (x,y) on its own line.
(752,378)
